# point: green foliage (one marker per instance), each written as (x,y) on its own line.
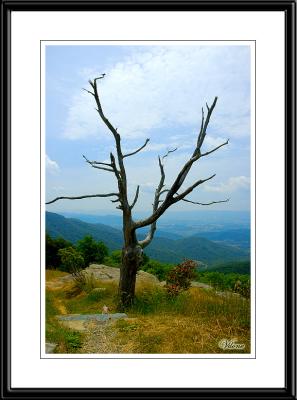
(52,246)
(157,268)
(239,267)
(114,259)
(145,259)
(73,340)
(238,283)
(91,250)
(179,278)
(72,260)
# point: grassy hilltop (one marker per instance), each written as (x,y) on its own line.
(193,322)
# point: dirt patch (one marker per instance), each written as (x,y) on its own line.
(100,339)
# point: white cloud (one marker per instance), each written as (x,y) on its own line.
(51,166)
(165,87)
(233,184)
(212,142)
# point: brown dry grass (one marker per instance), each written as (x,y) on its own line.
(192,323)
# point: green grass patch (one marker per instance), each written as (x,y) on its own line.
(67,340)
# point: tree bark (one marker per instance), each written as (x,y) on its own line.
(131,261)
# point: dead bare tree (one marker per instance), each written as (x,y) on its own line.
(133,248)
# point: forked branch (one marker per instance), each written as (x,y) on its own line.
(158,192)
(97,164)
(172,195)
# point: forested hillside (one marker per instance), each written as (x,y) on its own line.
(162,248)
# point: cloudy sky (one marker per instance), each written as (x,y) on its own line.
(149,91)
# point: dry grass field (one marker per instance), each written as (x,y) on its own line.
(194,322)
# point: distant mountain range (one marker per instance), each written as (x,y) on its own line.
(234,237)
(227,227)
(166,246)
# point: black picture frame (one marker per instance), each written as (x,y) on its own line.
(289,9)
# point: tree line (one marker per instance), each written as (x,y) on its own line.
(63,255)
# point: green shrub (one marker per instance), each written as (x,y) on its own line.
(238,283)
(91,250)
(114,259)
(157,268)
(73,340)
(52,247)
(73,262)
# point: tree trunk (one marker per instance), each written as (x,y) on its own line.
(131,260)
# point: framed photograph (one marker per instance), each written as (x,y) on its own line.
(149,209)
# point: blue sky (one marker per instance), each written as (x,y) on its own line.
(156,92)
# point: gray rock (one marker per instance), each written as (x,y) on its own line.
(88,317)
(50,347)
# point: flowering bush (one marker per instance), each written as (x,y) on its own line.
(179,278)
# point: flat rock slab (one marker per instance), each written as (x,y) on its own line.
(200,285)
(83,322)
(50,347)
(90,317)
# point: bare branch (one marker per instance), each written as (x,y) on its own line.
(103,168)
(135,198)
(168,152)
(96,162)
(100,77)
(216,148)
(92,163)
(206,204)
(204,125)
(82,197)
(196,154)
(121,174)
(88,91)
(172,196)
(114,167)
(190,188)
(138,150)
(100,111)
(145,242)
